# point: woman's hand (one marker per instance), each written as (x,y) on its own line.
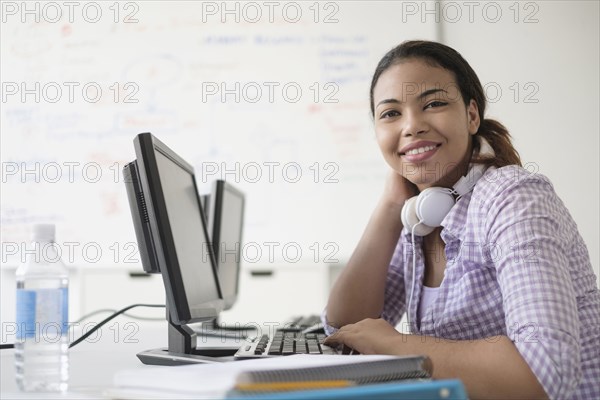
(369,336)
(398,189)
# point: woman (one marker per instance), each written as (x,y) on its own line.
(501,295)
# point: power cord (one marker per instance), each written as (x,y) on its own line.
(112,310)
(102,323)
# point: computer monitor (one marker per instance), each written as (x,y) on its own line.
(170,226)
(225,217)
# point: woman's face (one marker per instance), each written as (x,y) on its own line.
(422,125)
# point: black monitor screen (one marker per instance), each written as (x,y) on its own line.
(183,210)
(226,221)
(179,232)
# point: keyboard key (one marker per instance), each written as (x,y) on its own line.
(300,346)
(313,348)
(284,343)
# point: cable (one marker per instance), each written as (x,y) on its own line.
(110,310)
(414,251)
(95,328)
(104,321)
(143,318)
(88,315)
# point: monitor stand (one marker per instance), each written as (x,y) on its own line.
(183,349)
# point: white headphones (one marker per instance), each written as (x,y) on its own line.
(423,213)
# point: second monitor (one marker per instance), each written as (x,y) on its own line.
(224,210)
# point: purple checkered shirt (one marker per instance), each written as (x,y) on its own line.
(516,266)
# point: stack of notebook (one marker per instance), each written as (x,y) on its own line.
(394,377)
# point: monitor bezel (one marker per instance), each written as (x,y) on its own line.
(181,312)
(215,213)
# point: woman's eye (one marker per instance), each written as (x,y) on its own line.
(389,114)
(436,103)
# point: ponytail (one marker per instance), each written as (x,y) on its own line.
(498,137)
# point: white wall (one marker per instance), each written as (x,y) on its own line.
(552,55)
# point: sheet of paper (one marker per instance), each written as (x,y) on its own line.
(211,380)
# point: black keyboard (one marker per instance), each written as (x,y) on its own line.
(284,343)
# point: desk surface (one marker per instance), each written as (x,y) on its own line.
(93,363)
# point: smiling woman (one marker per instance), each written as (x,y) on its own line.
(501,288)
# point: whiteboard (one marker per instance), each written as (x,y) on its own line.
(272,97)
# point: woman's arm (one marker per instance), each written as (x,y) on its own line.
(359,291)
(490,368)
(533,234)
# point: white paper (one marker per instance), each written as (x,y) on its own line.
(211,380)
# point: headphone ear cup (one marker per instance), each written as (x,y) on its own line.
(432,206)
(409,214)
(410,219)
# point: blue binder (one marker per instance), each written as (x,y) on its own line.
(451,389)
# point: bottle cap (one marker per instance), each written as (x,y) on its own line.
(44,233)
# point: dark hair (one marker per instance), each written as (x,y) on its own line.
(439,55)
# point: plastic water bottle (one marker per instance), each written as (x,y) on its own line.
(41,346)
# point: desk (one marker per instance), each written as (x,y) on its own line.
(93,365)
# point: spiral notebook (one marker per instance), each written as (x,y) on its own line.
(377,371)
(393,378)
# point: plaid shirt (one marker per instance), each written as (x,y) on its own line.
(516,266)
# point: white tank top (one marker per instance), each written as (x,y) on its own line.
(428,296)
